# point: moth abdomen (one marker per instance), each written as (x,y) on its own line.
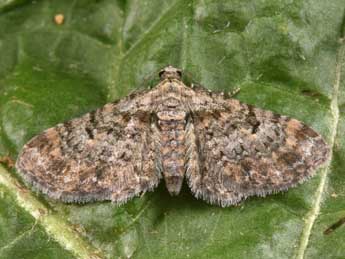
(173,149)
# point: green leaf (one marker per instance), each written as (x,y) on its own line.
(286,56)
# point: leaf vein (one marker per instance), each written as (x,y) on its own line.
(315,210)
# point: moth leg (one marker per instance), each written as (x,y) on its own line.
(234,92)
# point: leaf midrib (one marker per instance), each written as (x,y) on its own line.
(315,209)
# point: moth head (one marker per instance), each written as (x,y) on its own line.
(170,72)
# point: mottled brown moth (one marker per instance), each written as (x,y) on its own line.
(225,149)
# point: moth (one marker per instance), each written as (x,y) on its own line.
(226,150)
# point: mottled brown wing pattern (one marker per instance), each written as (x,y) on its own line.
(245,151)
(227,150)
(104,155)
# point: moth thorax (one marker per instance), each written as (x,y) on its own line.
(172,115)
(171,102)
